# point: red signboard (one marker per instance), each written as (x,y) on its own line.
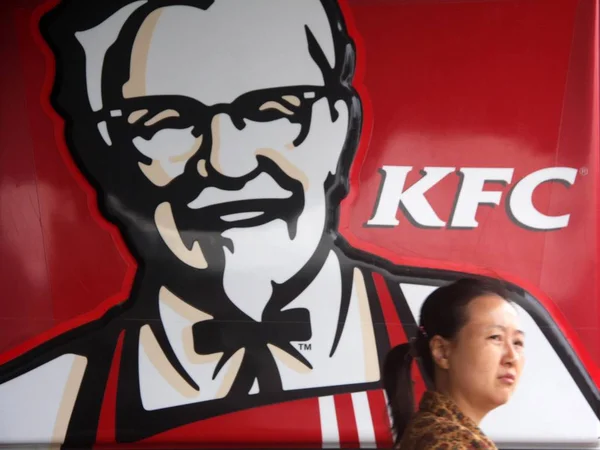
(186,170)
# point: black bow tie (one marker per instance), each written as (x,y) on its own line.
(228,335)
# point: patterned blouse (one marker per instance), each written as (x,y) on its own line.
(439,425)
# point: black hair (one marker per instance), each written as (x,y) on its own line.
(443,314)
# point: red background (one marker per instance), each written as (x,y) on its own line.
(506,83)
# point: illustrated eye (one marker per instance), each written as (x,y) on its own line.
(162,115)
(136,115)
(274,108)
(292,100)
(143,118)
(146,123)
(279,106)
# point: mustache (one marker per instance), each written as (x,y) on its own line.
(202,205)
(194,190)
(262,186)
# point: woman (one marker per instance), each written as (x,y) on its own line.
(470,347)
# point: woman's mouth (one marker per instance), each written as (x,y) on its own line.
(508,379)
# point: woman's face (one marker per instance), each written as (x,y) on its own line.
(486,357)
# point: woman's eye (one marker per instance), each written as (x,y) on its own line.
(520,343)
(496,337)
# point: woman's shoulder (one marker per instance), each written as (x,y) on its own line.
(431,432)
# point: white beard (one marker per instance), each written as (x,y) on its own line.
(265,255)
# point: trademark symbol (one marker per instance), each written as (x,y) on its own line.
(583,171)
(305,346)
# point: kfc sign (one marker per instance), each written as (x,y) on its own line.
(394,195)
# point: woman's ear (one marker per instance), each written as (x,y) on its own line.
(440,351)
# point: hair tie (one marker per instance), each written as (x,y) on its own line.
(414,350)
(415,343)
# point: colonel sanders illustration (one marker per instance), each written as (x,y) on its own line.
(218,136)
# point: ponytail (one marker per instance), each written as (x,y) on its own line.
(397,382)
(443,313)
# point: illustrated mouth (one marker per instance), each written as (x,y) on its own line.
(259,201)
(245,213)
(241,216)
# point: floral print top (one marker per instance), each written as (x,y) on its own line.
(439,425)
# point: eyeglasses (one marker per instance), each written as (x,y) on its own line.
(146,116)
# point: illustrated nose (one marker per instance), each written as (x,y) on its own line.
(232,153)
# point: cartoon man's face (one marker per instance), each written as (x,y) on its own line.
(233,119)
